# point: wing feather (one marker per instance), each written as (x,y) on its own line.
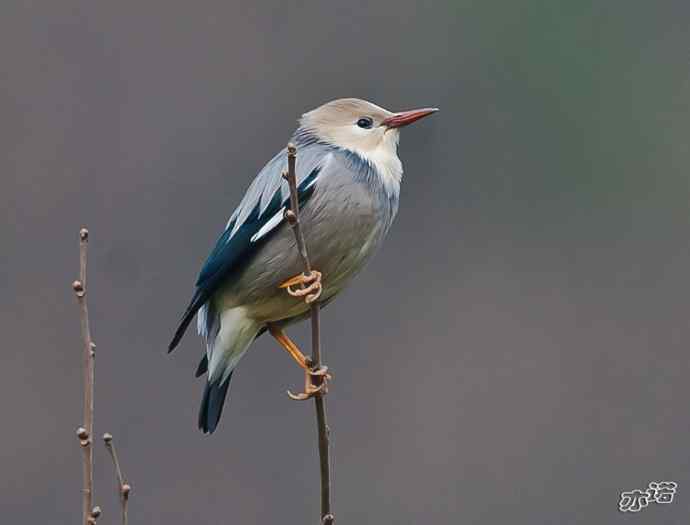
(258,214)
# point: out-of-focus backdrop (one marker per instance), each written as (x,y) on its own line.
(517,352)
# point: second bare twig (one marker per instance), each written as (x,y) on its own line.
(123,488)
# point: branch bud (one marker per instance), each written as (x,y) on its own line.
(82,433)
(291,217)
(125,490)
(78,288)
(95,512)
(107,438)
(83,436)
(84,234)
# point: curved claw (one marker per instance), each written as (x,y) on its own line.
(311,392)
(312,292)
(312,286)
(316,383)
(322,371)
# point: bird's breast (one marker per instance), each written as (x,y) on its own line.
(343,224)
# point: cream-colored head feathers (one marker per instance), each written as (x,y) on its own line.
(336,123)
(356,125)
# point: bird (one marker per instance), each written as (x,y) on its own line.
(348,177)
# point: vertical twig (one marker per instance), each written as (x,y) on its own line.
(123,488)
(292,216)
(85,433)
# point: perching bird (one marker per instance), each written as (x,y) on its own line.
(348,176)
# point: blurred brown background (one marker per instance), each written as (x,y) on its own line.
(518,351)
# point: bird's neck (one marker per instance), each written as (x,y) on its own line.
(387,166)
(382,161)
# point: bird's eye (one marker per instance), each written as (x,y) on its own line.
(365,122)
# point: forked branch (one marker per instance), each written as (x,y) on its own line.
(85,433)
(123,488)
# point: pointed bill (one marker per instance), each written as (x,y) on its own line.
(404,118)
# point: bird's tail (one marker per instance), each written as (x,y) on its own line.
(231,340)
(212,404)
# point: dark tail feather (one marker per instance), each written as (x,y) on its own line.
(202,368)
(197,302)
(212,405)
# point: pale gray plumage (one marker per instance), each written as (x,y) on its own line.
(349,176)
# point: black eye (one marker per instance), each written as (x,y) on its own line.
(365,122)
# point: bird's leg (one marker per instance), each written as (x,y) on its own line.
(311,286)
(315,379)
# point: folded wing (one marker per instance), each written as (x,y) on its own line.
(258,215)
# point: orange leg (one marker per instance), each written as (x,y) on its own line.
(314,379)
(302,360)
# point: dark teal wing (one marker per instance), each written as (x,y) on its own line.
(238,243)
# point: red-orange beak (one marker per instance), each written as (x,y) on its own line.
(407,117)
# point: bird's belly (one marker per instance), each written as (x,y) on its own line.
(340,237)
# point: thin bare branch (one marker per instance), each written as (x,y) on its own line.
(85,433)
(123,488)
(292,216)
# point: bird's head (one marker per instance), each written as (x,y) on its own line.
(359,126)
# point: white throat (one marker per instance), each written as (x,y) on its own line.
(385,159)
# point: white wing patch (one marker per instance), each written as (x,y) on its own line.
(270,224)
(274,221)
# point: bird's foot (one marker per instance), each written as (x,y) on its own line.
(311,286)
(315,383)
